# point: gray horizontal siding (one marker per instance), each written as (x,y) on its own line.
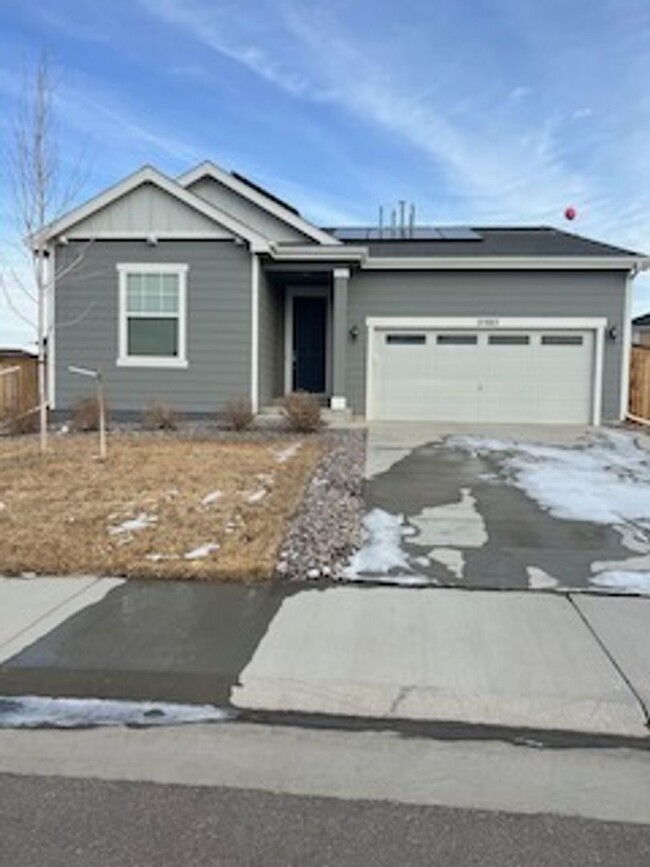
(246,211)
(218,321)
(271,341)
(494,293)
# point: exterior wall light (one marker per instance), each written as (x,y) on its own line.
(612,332)
(354,332)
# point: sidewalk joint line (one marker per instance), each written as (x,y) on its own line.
(49,612)
(644,709)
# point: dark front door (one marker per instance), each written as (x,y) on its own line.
(309,344)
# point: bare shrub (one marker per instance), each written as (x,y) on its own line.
(160,416)
(85,414)
(238,414)
(303,412)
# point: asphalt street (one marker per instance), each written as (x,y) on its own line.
(74,823)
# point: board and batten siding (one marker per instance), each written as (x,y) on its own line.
(147,209)
(488,294)
(218,326)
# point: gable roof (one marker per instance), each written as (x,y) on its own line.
(520,241)
(258,196)
(644,319)
(150,175)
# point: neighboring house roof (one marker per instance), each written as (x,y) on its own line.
(150,175)
(16,353)
(641,321)
(258,196)
(534,241)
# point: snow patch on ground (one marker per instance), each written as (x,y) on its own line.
(256,496)
(632,564)
(538,579)
(33,711)
(627,582)
(132,525)
(202,551)
(450,558)
(606,480)
(396,580)
(381,551)
(284,455)
(211,498)
(452,525)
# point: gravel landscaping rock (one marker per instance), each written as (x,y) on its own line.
(327,527)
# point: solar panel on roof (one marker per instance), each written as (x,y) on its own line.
(459,233)
(417,233)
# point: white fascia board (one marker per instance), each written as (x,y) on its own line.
(503,263)
(458,263)
(301,253)
(210,170)
(148,174)
(128,235)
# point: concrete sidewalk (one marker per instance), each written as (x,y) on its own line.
(533,660)
(523,660)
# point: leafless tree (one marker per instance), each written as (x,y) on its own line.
(41,193)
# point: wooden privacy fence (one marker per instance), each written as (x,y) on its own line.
(18,386)
(639,405)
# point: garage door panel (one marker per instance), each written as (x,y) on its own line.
(459,375)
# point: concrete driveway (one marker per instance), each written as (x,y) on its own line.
(507,507)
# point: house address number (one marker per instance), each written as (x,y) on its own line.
(487,323)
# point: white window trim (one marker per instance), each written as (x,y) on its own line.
(491,323)
(164,361)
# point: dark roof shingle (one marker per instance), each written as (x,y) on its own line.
(533,241)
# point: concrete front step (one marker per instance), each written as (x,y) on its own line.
(329,416)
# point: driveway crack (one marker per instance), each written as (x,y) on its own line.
(645,711)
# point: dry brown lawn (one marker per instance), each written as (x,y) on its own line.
(66,512)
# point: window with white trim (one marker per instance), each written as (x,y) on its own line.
(153,303)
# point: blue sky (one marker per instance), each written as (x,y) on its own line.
(479,111)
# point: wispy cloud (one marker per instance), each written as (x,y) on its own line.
(513,155)
(492,164)
(213,25)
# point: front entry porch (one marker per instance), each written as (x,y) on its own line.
(308,341)
(303,334)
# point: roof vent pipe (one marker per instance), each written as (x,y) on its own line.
(411,221)
(402,216)
(381,221)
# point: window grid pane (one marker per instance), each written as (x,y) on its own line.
(152,293)
(561,340)
(508,340)
(406,339)
(457,339)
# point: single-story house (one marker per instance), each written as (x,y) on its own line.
(641,330)
(202,288)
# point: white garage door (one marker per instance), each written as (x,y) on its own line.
(479,376)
